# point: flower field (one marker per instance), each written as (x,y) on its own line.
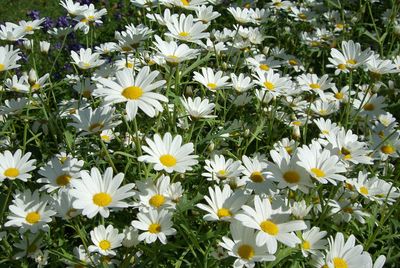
(200,133)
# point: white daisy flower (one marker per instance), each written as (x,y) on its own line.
(222,205)
(198,108)
(15,166)
(16,84)
(135,90)
(243,247)
(28,245)
(220,170)
(347,254)
(241,83)
(62,204)
(105,240)
(86,59)
(253,170)
(320,164)
(89,17)
(156,224)
(8,58)
(73,8)
(96,193)
(242,15)
(206,14)
(169,154)
(173,53)
(211,80)
(313,242)
(29,211)
(185,29)
(313,83)
(272,82)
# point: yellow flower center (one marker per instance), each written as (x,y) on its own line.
(348,186)
(105,138)
(369,107)
(32,217)
(339,95)
(351,61)
(129,65)
(264,67)
(32,248)
(256,176)
(269,227)
(348,210)
(184,34)
(185,2)
(224,212)
(342,66)
(102,199)
(387,149)
(168,160)
(315,86)
(246,252)
(95,127)
(318,172)
(221,173)
(302,16)
(132,93)
(293,62)
(11,172)
(157,200)
(346,153)
(364,190)
(291,176)
(288,149)
(104,244)
(63,180)
(84,20)
(296,123)
(306,245)
(2,67)
(269,85)
(86,64)
(86,94)
(212,85)
(339,263)
(339,25)
(91,17)
(28,28)
(154,228)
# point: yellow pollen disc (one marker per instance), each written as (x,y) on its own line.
(105,138)
(71,212)
(369,107)
(256,176)
(172,58)
(63,180)
(36,86)
(212,85)
(126,49)
(168,160)
(293,62)
(95,127)
(184,34)
(185,2)
(288,149)
(86,64)
(87,94)
(348,210)
(387,149)
(221,173)
(28,28)
(129,65)
(84,20)
(2,67)
(318,173)
(277,4)
(342,66)
(269,85)
(339,95)
(364,190)
(339,26)
(104,244)
(264,67)
(315,86)
(306,245)
(224,212)
(296,123)
(31,248)
(325,132)
(91,17)
(102,199)
(315,43)
(32,217)
(246,252)
(132,93)
(351,61)
(346,153)
(154,228)
(269,227)
(157,200)
(339,263)
(63,159)
(302,16)
(11,172)
(291,177)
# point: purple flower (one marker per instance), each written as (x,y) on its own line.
(47,24)
(62,21)
(33,14)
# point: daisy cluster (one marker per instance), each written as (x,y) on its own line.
(201,132)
